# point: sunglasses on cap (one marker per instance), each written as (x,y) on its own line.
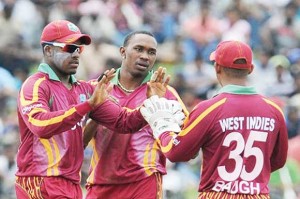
(69,48)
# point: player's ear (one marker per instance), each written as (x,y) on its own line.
(47,50)
(251,69)
(217,68)
(122,52)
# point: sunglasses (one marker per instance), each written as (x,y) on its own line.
(69,48)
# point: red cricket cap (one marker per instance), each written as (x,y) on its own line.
(228,52)
(65,32)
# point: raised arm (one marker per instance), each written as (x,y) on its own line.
(124,120)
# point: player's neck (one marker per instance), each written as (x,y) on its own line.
(65,80)
(127,82)
(238,82)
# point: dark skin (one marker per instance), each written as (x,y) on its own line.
(138,58)
(65,64)
(226,79)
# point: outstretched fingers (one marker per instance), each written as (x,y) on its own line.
(158,83)
(101,91)
(107,76)
(160,76)
(166,81)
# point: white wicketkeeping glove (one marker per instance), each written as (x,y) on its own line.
(177,111)
(162,115)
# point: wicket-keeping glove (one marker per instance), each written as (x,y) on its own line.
(177,111)
(162,115)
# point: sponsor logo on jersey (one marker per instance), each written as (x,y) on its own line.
(27,109)
(78,124)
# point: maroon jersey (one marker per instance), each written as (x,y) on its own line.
(243,138)
(127,158)
(50,121)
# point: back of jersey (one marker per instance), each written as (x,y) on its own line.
(244,139)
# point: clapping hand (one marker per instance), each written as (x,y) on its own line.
(158,83)
(101,91)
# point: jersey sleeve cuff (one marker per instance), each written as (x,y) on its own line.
(83,108)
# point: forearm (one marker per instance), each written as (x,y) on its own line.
(45,124)
(89,132)
(118,119)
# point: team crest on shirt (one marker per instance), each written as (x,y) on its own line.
(82,98)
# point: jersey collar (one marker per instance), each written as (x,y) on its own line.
(45,68)
(115,79)
(235,89)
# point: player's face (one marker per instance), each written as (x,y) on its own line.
(140,54)
(66,59)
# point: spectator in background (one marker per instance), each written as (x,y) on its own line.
(152,21)
(280,32)
(211,31)
(20,74)
(16,33)
(296,85)
(281,82)
(102,52)
(190,99)
(258,78)
(9,30)
(235,27)
(165,25)
(179,83)
(30,23)
(294,56)
(293,121)
(127,16)
(96,14)
(9,147)
(199,77)
(8,91)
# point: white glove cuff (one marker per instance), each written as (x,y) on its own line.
(160,126)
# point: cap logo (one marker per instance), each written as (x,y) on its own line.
(72,27)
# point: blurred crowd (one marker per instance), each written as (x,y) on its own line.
(187,31)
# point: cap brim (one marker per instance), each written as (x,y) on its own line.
(212,56)
(85,39)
